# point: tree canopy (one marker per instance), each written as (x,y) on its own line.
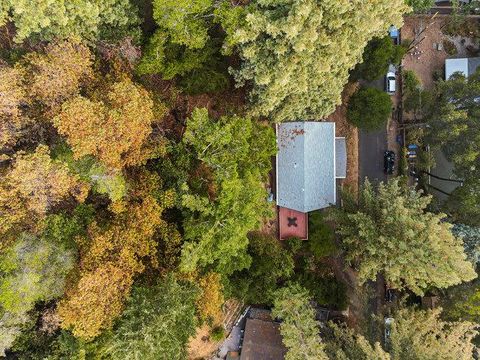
(297,54)
(44,19)
(299,329)
(157,322)
(124,112)
(235,153)
(369,108)
(419,334)
(379,53)
(388,231)
(453,119)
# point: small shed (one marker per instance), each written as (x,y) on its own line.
(465,66)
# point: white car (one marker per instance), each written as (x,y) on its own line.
(390,82)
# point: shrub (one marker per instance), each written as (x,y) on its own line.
(449,47)
(217,333)
(321,238)
(326,290)
(369,108)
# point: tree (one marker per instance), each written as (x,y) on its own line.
(33,270)
(420,5)
(418,334)
(110,258)
(471,240)
(271,263)
(463,204)
(235,158)
(33,185)
(297,54)
(14,96)
(59,72)
(46,20)
(388,231)
(453,119)
(299,329)
(343,343)
(369,108)
(454,123)
(210,301)
(125,115)
(379,53)
(184,20)
(156,323)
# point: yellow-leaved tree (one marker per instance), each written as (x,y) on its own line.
(112,255)
(33,185)
(114,126)
(298,53)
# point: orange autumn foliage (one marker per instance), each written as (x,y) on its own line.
(128,244)
(59,72)
(210,302)
(114,126)
(33,185)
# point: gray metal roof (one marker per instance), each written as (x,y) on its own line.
(340,158)
(306,165)
(456,65)
(466,66)
(473,65)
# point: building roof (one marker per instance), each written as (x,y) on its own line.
(340,158)
(306,165)
(262,341)
(292,223)
(466,66)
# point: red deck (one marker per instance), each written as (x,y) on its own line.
(292,223)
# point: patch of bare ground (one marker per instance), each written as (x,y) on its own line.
(350,132)
(201,346)
(424,58)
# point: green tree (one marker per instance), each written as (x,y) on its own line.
(297,54)
(343,343)
(271,263)
(369,108)
(46,20)
(183,46)
(388,231)
(234,155)
(156,323)
(418,334)
(454,126)
(321,239)
(33,270)
(377,56)
(420,5)
(454,120)
(471,240)
(299,329)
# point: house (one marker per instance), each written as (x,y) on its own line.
(262,341)
(465,66)
(309,161)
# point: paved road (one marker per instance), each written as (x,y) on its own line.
(371,148)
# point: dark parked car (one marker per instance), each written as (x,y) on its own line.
(389,162)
